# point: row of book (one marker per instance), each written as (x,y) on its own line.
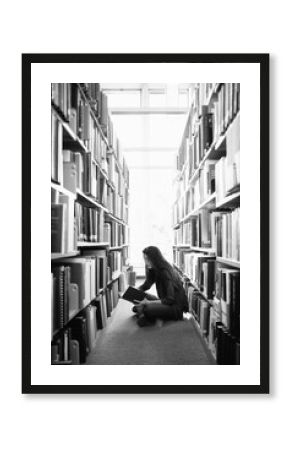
(196,141)
(89,224)
(227,290)
(226,107)
(206,123)
(198,231)
(81,117)
(226,234)
(200,269)
(202,93)
(81,174)
(98,101)
(216,176)
(219,231)
(84,126)
(118,177)
(64,233)
(72,222)
(195,232)
(223,101)
(215,281)
(75,283)
(198,193)
(228,168)
(223,340)
(116,204)
(61,96)
(116,261)
(115,233)
(74,342)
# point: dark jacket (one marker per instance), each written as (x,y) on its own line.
(169,290)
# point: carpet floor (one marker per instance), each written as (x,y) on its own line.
(122,341)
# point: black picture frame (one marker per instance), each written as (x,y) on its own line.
(263,61)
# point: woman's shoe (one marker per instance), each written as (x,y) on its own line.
(138,309)
(142,321)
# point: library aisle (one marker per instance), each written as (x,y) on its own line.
(124,342)
(155,167)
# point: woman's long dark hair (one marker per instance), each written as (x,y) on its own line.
(159,263)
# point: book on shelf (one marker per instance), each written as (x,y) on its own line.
(208,269)
(100,257)
(74,351)
(70,176)
(228,292)
(61,97)
(91,318)
(232,175)
(103,309)
(226,107)
(227,346)
(56,149)
(227,229)
(78,331)
(89,223)
(58,228)
(204,316)
(196,232)
(109,301)
(65,297)
(73,167)
(214,317)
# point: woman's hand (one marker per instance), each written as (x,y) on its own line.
(144,302)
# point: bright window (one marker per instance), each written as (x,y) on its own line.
(183,98)
(157,98)
(151,199)
(123,98)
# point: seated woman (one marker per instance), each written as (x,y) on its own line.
(172,301)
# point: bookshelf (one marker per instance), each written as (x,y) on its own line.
(93,244)
(89,219)
(206,214)
(55,256)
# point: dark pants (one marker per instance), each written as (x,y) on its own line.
(157,310)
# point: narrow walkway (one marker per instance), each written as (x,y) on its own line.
(124,342)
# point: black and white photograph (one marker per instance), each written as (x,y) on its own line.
(149,242)
(145,205)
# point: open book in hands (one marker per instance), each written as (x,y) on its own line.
(133,295)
